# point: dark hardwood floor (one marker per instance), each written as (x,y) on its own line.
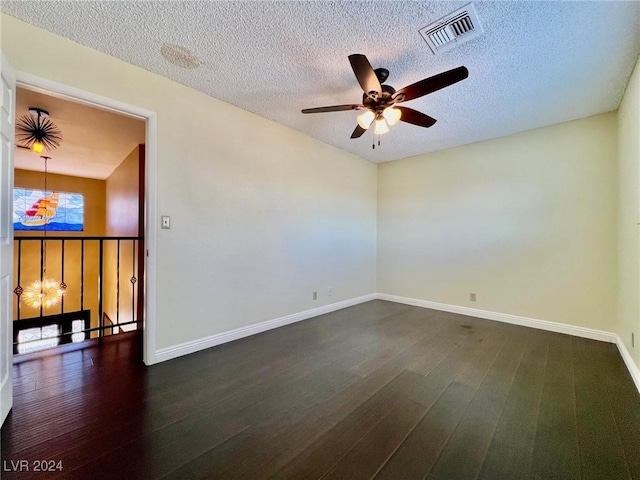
(379,390)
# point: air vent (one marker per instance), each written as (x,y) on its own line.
(452,30)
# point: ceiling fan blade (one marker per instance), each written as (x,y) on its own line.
(357,133)
(415,117)
(334,108)
(365,74)
(431,84)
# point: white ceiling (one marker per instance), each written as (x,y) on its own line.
(94,142)
(537,64)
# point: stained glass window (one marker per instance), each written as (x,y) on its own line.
(61,212)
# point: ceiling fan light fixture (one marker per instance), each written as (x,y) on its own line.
(392,115)
(378,99)
(381,126)
(365,119)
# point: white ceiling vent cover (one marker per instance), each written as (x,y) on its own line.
(456,28)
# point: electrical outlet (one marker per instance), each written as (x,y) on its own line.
(472,297)
(315,295)
(330,291)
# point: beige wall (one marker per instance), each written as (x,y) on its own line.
(629,216)
(527,222)
(94,225)
(122,198)
(122,191)
(262,215)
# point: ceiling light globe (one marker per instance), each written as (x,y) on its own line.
(365,119)
(392,115)
(381,127)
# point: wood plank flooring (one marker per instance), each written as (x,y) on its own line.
(379,390)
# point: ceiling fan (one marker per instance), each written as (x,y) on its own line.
(379,100)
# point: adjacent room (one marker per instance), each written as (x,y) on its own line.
(376,240)
(90,186)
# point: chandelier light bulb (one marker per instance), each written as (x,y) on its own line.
(365,119)
(37,147)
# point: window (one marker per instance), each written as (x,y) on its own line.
(38,338)
(40,333)
(76,327)
(61,212)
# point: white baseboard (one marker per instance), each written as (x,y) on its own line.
(211,341)
(203,343)
(507,318)
(628,361)
(590,333)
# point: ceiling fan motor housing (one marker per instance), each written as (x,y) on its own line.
(381,102)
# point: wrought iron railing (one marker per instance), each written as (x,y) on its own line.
(68,289)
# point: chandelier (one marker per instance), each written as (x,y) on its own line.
(46,292)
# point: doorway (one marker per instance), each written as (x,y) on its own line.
(78,227)
(12,79)
(146,280)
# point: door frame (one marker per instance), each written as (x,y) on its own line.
(49,87)
(6,235)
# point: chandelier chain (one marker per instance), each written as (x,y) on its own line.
(46,192)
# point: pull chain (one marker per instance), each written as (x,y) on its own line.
(373,146)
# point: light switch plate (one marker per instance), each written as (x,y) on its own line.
(166,221)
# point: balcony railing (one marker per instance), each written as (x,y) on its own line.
(68,289)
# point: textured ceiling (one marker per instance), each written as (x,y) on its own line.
(537,64)
(94,141)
